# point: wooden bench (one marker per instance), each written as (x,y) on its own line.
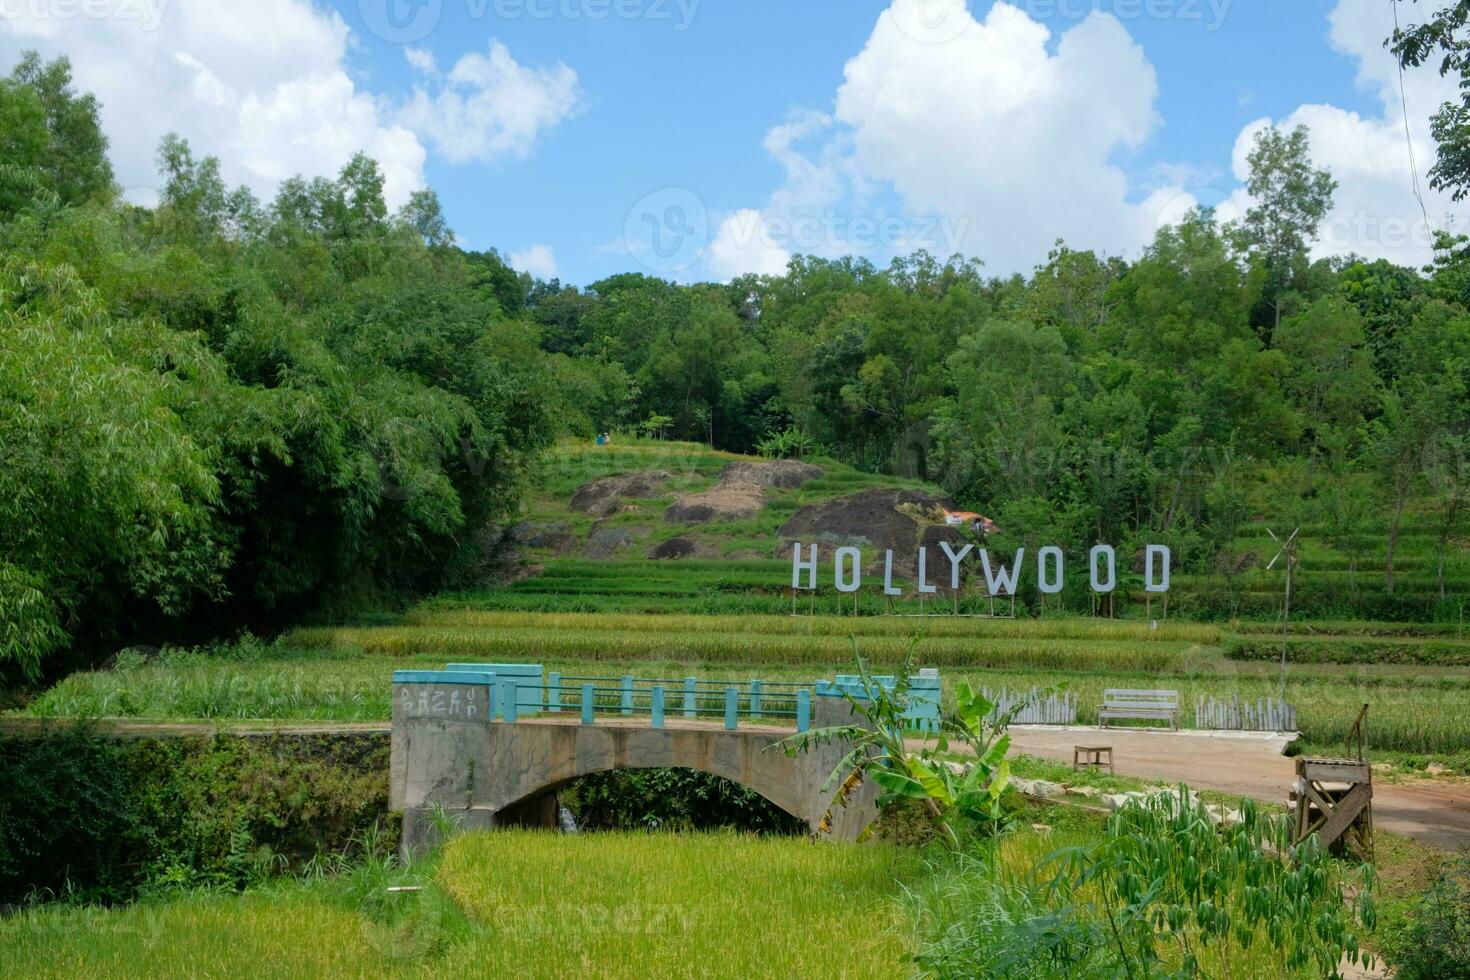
(1147,705)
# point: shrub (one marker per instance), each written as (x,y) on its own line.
(1434,942)
(674,799)
(1238,900)
(102,818)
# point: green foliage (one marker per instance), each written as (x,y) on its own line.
(1291,199)
(673,799)
(1184,898)
(988,918)
(963,805)
(216,414)
(1433,943)
(53,148)
(100,818)
(789,443)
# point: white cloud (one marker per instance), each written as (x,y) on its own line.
(994,128)
(263,85)
(266,86)
(538,260)
(489,106)
(992,135)
(744,245)
(422,60)
(1375,211)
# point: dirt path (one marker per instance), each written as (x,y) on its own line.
(1239,763)
(1250,764)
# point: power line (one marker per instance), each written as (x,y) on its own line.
(1408,137)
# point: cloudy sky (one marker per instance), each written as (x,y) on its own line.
(709,138)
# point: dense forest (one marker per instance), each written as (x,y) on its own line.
(219,413)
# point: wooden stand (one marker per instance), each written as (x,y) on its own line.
(1334,800)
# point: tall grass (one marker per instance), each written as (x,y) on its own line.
(273,932)
(512,904)
(696,905)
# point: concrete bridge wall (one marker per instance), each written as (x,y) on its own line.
(448,751)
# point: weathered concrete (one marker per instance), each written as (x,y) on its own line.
(448,752)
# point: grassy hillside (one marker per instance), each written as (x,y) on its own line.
(692,468)
(578,562)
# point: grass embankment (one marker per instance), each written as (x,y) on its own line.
(523,904)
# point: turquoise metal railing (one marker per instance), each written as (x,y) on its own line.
(521,690)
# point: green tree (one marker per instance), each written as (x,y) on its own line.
(1291,198)
(1000,434)
(74,164)
(1330,375)
(1442,34)
(104,496)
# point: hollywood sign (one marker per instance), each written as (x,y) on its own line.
(1102,569)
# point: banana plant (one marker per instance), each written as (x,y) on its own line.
(964,800)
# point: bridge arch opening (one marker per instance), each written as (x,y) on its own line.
(666,798)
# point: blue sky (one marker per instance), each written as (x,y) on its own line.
(567,136)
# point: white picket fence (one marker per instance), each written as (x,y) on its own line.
(1265,715)
(1058,708)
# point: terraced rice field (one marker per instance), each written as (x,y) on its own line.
(341,674)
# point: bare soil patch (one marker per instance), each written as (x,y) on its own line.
(786,474)
(722,502)
(740,491)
